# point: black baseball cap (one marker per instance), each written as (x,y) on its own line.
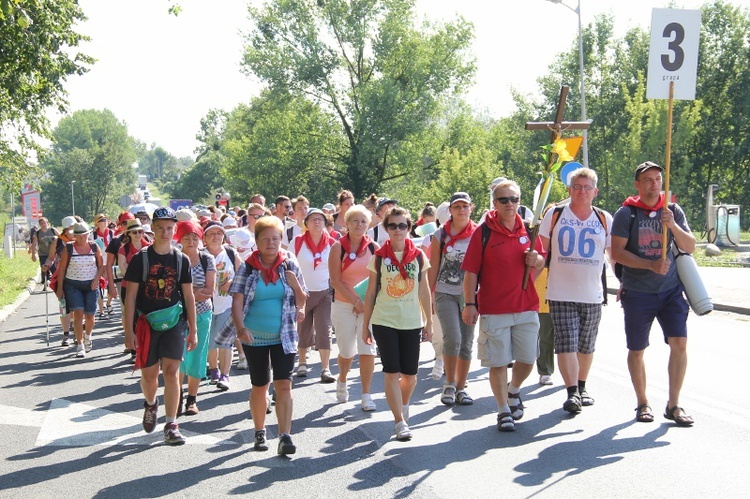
(384,201)
(164,213)
(460,196)
(646,166)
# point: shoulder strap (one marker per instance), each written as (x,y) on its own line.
(144,258)
(555,217)
(602,219)
(379,274)
(231,254)
(485,236)
(375,232)
(178,254)
(420,265)
(290,233)
(203,257)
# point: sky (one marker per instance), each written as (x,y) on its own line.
(161,74)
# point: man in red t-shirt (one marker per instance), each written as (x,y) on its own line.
(509,325)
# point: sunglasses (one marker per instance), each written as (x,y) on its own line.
(578,187)
(509,199)
(256,217)
(401,226)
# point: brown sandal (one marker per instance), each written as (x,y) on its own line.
(644,414)
(681,418)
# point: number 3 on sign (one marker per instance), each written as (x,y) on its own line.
(673,55)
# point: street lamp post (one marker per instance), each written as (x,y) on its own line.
(577,11)
(72,198)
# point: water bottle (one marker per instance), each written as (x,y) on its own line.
(63,307)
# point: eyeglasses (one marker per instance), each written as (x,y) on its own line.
(509,199)
(316,219)
(401,226)
(578,187)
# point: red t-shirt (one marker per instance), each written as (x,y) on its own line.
(502,270)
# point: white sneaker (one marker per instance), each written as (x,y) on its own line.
(437,370)
(405,412)
(302,370)
(403,433)
(87,343)
(367,403)
(80,351)
(342,393)
(545,379)
(242,364)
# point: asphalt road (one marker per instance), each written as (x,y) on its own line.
(73,427)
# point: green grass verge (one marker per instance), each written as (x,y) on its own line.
(14,275)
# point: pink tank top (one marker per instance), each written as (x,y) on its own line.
(355,273)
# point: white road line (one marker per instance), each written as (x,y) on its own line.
(69,424)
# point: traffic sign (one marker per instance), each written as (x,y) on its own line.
(673,54)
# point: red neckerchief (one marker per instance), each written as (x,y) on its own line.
(104,237)
(317,249)
(410,253)
(269,275)
(493,222)
(143,338)
(346,247)
(636,201)
(464,234)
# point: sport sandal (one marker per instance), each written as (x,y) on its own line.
(449,395)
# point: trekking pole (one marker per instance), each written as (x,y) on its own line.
(46,308)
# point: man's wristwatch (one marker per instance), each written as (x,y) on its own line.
(470,305)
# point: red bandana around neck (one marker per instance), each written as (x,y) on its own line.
(464,234)
(269,275)
(349,255)
(493,222)
(317,249)
(636,201)
(410,253)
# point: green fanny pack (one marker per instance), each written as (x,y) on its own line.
(166,318)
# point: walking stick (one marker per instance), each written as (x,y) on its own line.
(46,308)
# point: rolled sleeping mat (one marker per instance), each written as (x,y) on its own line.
(687,271)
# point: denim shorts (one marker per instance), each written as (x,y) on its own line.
(80,296)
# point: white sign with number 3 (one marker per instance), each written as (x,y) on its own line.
(673,56)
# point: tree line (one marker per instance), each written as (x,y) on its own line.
(359,96)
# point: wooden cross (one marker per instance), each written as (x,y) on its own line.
(556,127)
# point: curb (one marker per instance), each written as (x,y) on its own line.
(8,310)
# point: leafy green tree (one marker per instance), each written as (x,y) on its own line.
(38,53)
(93,149)
(200,181)
(720,152)
(281,144)
(366,64)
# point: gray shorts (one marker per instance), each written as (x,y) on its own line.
(504,338)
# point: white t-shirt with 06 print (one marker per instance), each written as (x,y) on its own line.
(577,256)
